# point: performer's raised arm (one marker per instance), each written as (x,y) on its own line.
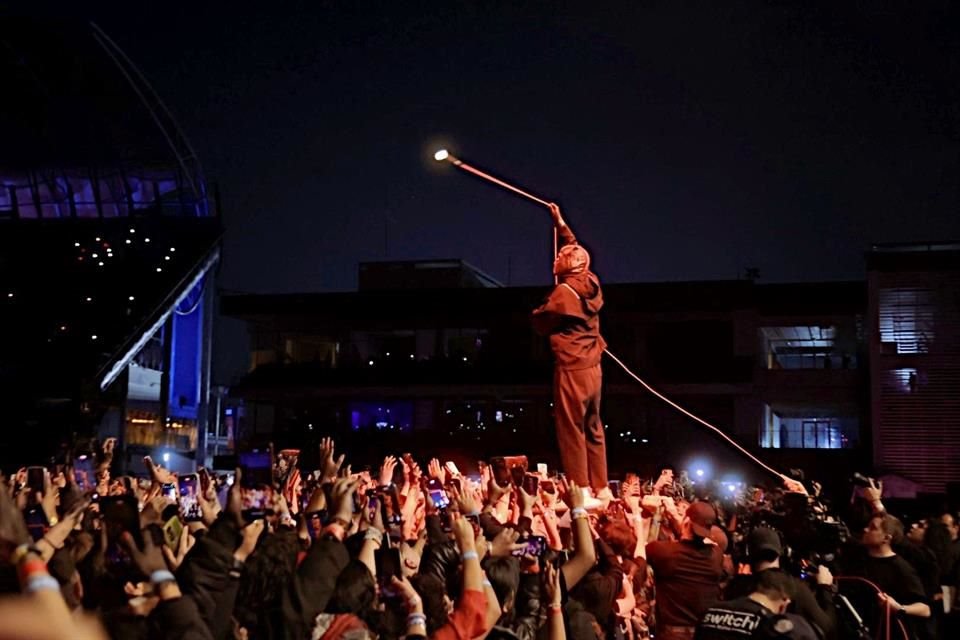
(566,235)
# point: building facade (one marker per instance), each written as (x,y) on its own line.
(915,361)
(455,368)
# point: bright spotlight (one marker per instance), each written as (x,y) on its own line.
(731,487)
(441,155)
(166,457)
(699,473)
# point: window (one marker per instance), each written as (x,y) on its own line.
(906,320)
(782,432)
(806,347)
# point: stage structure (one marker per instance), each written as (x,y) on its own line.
(109,241)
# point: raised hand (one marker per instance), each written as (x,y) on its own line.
(572,494)
(465,502)
(175,559)
(495,492)
(525,501)
(150,559)
(551,585)
(505,543)
(463,534)
(386,471)
(795,486)
(555,214)
(329,465)
(341,498)
(158,474)
(437,472)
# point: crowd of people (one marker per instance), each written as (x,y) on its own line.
(405,550)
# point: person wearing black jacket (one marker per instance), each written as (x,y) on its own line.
(816,607)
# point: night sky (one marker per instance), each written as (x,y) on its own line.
(683,140)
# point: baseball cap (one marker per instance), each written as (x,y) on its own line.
(764,539)
(702,516)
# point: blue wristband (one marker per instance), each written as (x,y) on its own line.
(43,583)
(577,511)
(469,555)
(161,575)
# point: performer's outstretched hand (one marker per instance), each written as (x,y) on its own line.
(555,214)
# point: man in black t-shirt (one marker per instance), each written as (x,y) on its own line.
(901,588)
(758,615)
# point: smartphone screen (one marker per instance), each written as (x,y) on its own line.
(531,484)
(36,521)
(388,567)
(439,497)
(315,522)
(120,514)
(501,474)
(390,509)
(257,467)
(189,485)
(455,481)
(536,546)
(36,480)
(548,486)
(256,503)
(83,472)
(517,475)
(170,492)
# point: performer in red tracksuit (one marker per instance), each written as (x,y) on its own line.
(569,317)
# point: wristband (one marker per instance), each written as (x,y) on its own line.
(160,576)
(473,514)
(555,609)
(578,511)
(416,620)
(55,547)
(374,534)
(469,555)
(52,520)
(30,567)
(43,583)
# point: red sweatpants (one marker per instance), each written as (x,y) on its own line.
(576,404)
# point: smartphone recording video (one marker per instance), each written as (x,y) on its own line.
(84,474)
(390,509)
(170,492)
(257,467)
(315,523)
(536,546)
(257,482)
(439,497)
(531,484)
(189,486)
